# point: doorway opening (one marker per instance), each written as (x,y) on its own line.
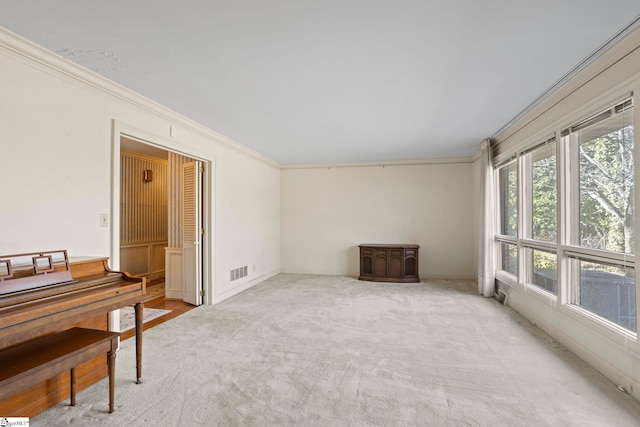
(149,219)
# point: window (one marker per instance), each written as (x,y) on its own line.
(509,258)
(508,176)
(544,193)
(540,235)
(508,205)
(566,228)
(602,231)
(605,150)
(609,291)
(544,272)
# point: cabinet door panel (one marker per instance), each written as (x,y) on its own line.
(411,267)
(396,264)
(366,266)
(380,264)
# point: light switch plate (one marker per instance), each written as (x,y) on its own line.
(104,220)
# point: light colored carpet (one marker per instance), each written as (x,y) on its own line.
(128,316)
(334,351)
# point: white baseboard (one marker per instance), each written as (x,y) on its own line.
(244,286)
(448,277)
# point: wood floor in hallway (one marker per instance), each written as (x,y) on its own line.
(158,300)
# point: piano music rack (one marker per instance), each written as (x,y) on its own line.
(33,270)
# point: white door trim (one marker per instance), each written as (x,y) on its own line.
(121,129)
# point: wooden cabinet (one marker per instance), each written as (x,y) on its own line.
(389,263)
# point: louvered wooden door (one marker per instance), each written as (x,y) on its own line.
(192,231)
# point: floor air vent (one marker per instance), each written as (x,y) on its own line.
(238,273)
(502,296)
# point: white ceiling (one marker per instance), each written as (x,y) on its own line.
(331,80)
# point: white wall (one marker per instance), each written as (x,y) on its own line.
(56,136)
(328,212)
(247,221)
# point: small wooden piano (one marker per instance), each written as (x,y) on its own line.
(43,293)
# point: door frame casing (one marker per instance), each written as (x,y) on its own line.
(121,129)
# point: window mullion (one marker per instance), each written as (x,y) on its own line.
(565,184)
(636,160)
(539,244)
(524,215)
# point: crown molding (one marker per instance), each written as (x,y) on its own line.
(624,43)
(48,61)
(443,161)
(476,156)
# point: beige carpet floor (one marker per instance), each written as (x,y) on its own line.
(334,351)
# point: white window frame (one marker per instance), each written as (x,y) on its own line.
(503,238)
(527,242)
(566,247)
(570,249)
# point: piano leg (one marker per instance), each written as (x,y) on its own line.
(111,363)
(139,328)
(72,386)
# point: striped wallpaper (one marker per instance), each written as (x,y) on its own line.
(143,205)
